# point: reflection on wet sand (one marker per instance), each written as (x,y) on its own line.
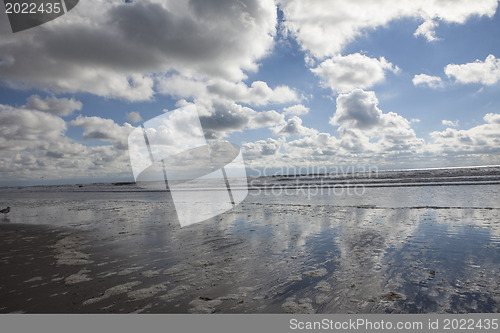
(125,252)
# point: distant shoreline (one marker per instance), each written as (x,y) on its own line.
(348,173)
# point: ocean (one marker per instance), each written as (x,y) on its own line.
(412,241)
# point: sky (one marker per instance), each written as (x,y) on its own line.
(386,84)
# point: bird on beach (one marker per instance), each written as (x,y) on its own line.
(5,210)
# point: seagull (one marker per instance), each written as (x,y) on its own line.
(5,211)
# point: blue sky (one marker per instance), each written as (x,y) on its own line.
(317,83)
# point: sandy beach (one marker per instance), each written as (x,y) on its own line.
(107,249)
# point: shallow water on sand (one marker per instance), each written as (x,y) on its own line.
(401,250)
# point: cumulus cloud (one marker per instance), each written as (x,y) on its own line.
(316,145)
(217,102)
(427,80)
(357,109)
(450,123)
(265,119)
(104,129)
(492,118)
(426,29)
(142,38)
(64,159)
(23,129)
(297,110)
(259,93)
(294,127)
(202,51)
(323,28)
(222,117)
(485,72)
(181,86)
(365,134)
(57,106)
(481,139)
(360,118)
(355,141)
(134,117)
(345,73)
(253,150)
(33,145)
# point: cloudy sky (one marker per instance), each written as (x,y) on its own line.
(391,84)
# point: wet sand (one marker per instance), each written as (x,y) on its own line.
(390,251)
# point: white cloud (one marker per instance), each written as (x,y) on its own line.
(253,150)
(426,29)
(294,127)
(482,139)
(202,51)
(134,117)
(222,117)
(450,123)
(33,145)
(297,110)
(259,93)
(492,118)
(57,106)
(64,160)
(427,80)
(104,129)
(324,27)
(486,72)
(315,140)
(365,135)
(217,101)
(23,129)
(316,146)
(142,39)
(355,141)
(265,119)
(306,150)
(345,73)
(181,86)
(357,109)
(360,119)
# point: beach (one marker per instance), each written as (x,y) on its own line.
(412,242)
